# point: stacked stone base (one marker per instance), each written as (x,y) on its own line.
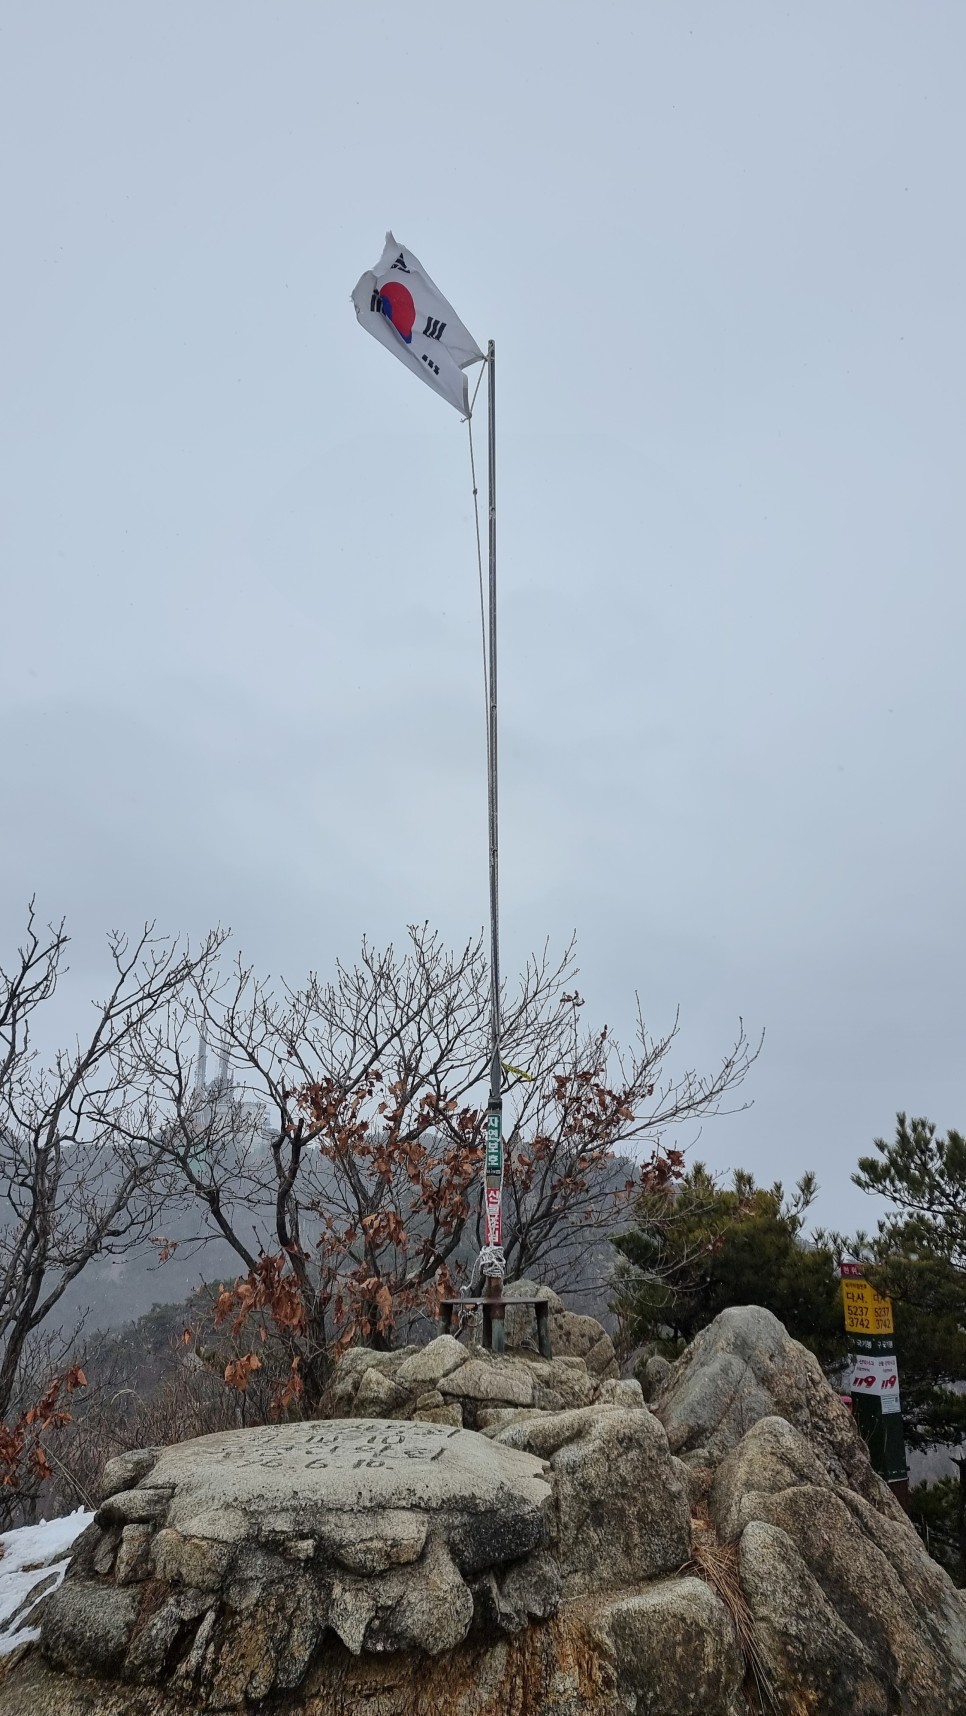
(729,1550)
(668,1648)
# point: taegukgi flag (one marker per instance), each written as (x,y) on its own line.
(400,305)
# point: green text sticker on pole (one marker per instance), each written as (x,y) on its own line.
(494,1143)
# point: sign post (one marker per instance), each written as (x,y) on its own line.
(874,1379)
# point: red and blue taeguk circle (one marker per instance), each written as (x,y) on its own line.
(396,303)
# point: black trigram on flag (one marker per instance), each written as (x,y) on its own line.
(400,263)
(433,329)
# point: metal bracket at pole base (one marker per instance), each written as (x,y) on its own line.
(493,1292)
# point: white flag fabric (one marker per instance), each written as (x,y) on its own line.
(398,303)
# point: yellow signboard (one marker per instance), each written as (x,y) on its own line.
(866,1311)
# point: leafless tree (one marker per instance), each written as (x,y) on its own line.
(355,1196)
(81,1152)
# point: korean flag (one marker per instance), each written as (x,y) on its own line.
(401,306)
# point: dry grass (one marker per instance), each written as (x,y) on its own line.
(717,1564)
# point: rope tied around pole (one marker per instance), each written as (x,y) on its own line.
(492,1262)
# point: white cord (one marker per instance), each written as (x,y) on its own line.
(479,566)
(493,1262)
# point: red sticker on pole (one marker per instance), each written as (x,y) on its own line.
(494,1216)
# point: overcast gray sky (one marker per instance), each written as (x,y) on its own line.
(720,248)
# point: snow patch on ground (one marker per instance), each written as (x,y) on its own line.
(35,1556)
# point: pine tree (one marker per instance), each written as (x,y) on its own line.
(698,1248)
(920,1262)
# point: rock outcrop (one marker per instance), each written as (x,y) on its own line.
(848,1612)
(730,1551)
(463,1386)
(743,1367)
(571,1335)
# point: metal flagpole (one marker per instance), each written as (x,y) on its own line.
(495,1071)
(492,1256)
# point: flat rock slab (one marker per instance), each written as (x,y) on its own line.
(306,1471)
(217,1567)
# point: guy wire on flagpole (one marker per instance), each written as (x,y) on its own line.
(479,560)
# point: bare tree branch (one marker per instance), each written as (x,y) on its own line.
(350,1144)
(80,1137)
